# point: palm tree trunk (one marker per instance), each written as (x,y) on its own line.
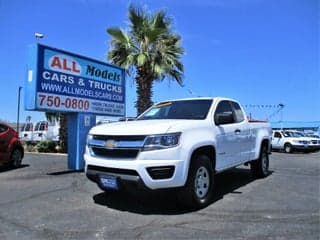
(144,91)
(63,132)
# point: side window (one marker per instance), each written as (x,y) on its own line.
(224,108)
(37,127)
(42,127)
(238,114)
(3,128)
(277,135)
(28,127)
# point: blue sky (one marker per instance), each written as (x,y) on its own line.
(260,52)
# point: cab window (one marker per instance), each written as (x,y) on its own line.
(41,126)
(238,114)
(224,108)
(3,128)
(277,135)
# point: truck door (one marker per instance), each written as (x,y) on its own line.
(227,131)
(276,140)
(246,141)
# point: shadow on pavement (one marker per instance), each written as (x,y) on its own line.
(64,172)
(165,202)
(9,168)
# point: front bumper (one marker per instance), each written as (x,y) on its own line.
(149,170)
(306,147)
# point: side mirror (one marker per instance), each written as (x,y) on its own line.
(224,118)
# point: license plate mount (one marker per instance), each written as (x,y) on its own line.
(109,182)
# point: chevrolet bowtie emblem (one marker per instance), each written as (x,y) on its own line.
(110,144)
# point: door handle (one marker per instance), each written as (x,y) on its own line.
(237,131)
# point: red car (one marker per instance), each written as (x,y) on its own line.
(11,149)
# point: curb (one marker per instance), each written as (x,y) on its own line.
(50,154)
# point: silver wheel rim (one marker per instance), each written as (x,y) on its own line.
(287,149)
(202,182)
(16,157)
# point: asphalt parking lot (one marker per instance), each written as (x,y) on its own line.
(43,200)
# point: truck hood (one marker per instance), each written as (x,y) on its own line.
(142,127)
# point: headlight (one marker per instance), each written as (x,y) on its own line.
(162,141)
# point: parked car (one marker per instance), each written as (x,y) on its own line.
(45,130)
(53,131)
(40,131)
(126,119)
(11,149)
(289,141)
(104,121)
(314,142)
(26,132)
(314,136)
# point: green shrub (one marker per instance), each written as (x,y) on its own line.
(47,146)
(29,146)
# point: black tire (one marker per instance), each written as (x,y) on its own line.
(287,148)
(16,158)
(198,191)
(260,167)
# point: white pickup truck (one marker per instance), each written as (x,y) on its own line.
(178,144)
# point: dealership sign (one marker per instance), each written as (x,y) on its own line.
(65,82)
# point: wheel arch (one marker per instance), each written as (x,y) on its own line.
(264,142)
(208,150)
(189,194)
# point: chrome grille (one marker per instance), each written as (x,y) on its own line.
(119,138)
(111,146)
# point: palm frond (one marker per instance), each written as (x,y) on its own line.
(119,35)
(150,48)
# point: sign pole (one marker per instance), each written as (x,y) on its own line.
(79,125)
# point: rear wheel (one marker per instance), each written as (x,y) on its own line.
(260,167)
(16,157)
(288,148)
(198,190)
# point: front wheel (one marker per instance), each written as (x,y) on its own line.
(288,148)
(260,167)
(198,190)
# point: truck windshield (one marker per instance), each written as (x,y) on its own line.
(184,109)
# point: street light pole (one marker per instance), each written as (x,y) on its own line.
(281,105)
(18,113)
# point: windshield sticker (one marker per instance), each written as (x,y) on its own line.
(164,104)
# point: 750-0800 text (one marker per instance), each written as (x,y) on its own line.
(68,103)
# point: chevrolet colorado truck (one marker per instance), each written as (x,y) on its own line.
(178,144)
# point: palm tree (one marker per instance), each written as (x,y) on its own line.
(149,48)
